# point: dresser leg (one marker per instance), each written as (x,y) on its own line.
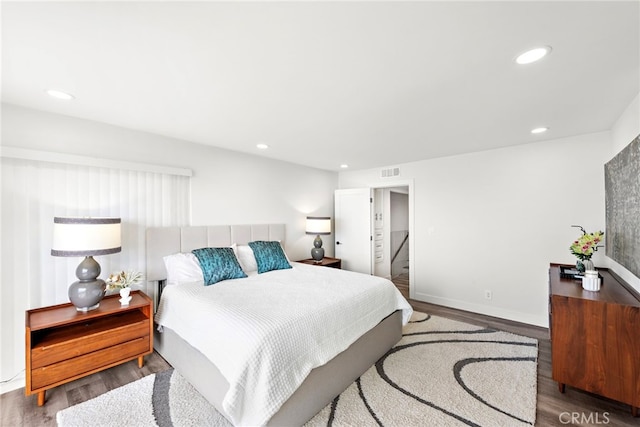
(140,361)
(634,411)
(561,387)
(41,397)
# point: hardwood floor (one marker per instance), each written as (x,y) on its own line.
(574,407)
(16,409)
(402,283)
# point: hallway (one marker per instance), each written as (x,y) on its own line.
(402,283)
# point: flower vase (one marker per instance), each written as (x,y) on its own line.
(125,296)
(588,264)
(583,265)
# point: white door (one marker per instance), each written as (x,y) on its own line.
(353,218)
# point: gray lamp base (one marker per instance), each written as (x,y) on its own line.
(86,296)
(317,254)
(87,292)
(85,309)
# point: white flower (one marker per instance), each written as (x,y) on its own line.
(123,279)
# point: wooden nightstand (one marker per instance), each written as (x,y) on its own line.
(326,262)
(63,344)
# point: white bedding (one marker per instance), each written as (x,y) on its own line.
(266,333)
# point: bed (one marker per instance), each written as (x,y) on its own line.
(298,399)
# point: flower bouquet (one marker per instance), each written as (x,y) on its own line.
(584,247)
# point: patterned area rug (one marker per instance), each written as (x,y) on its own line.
(442,372)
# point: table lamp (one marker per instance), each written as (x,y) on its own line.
(318,225)
(76,237)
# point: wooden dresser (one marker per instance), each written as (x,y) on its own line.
(63,344)
(595,337)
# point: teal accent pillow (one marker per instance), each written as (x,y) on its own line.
(269,256)
(218,264)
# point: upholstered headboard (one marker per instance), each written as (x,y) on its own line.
(163,241)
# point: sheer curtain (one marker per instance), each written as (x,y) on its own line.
(35,191)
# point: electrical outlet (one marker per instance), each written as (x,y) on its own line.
(488,294)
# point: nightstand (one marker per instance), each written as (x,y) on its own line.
(63,344)
(326,262)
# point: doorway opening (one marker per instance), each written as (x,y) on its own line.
(391,236)
(374,231)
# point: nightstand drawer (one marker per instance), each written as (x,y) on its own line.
(62,371)
(55,345)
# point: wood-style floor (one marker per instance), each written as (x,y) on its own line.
(574,407)
(402,283)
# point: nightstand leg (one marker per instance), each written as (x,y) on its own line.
(561,387)
(634,411)
(140,361)
(41,397)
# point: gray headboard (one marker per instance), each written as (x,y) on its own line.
(163,241)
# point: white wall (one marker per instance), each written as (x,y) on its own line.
(624,131)
(399,211)
(494,220)
(227,187)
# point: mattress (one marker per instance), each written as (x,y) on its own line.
(265,333)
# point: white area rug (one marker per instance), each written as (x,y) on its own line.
(442,373)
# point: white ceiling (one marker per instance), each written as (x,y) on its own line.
(369,84)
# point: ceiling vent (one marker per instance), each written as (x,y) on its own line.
(388,173)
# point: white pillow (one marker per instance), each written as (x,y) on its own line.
(182,267)
(246,258)
(284,252)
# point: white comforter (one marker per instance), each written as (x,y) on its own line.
(266,333)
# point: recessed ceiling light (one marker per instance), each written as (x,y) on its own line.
(58,94)
(533,55)
(344,166)
(262,146)
(539,130)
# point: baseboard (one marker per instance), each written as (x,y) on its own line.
(531,319)
(14,384)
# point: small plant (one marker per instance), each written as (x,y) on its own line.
(123,279)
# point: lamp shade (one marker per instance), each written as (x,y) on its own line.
(318,225)
(85,236)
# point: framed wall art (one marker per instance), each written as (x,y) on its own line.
(622,198)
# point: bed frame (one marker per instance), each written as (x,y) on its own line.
(322,384)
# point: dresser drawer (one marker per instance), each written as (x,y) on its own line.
(59,345)
(77,366)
